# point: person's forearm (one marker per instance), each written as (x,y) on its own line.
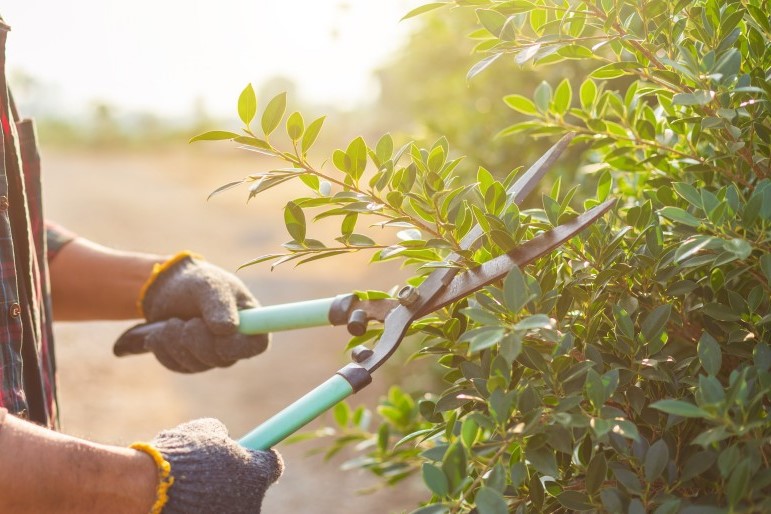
(44,471)
(91,282)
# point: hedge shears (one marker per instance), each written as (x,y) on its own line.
(442,287)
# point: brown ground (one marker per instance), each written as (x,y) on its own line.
(156,201)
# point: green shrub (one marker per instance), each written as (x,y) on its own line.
(629,370)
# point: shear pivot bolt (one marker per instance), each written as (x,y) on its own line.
(408,295)
(357,323)
(361,353)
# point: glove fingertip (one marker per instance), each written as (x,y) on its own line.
(279,464)
(221,322)
(242,346)
(209,426)
(270,463)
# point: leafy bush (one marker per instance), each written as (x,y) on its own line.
(629,370)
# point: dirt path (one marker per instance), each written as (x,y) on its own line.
(157,202)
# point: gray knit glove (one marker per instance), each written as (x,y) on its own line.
(199,302)
(212,473)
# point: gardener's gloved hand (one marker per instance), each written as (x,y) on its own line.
(200,304)
(209,471)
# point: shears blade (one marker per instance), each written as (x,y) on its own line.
(474,279)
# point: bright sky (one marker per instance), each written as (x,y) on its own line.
(160,55)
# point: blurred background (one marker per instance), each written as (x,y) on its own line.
(118,89)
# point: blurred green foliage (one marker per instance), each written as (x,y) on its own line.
(427,91)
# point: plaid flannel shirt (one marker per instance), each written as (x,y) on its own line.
(27,243)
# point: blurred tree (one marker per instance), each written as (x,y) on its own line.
(105,127)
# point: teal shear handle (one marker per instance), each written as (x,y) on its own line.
(263,320)
(298,414)
(288,316)
(348,380)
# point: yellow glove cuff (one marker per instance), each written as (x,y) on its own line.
(159,268)
(164,472)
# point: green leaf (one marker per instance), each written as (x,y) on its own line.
(385,148)
(625,428)
(693,246)
(711,390)
(739,482)
(491,20)
(273,114)
(728,460)
(295,126)
(469,432)
(609,71)
(482,65)
(656,460)
(521,104)
(311,133)
(563,96)
(349,223)
(762,356)
(553,209)
(423,9)
(575,52)
(214,135)
(227,186)
(483,337)
(527,53)
(623,322)
(435,480)
(511,347)
(709,354)
(697,464)
(711,436)
(688,193)
(490,501)
(535,487)
(538,19)
(719,311)
(454,465)
(543,460)
(594,389)
(596,472)
(679,408)
(604,185)
(435,508)
(357,155)
(485,180)
(247,105)
(496,478)
(629,479)
(575,501)
(699,97)
(500,405)
(360,240)
(341,413)
(294,219)
(313,182)
(533,322)
(588,94)
(739,247)
(258,144)
(542,97)
(678,215)
(655,322)
(515,291)
(765,266)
